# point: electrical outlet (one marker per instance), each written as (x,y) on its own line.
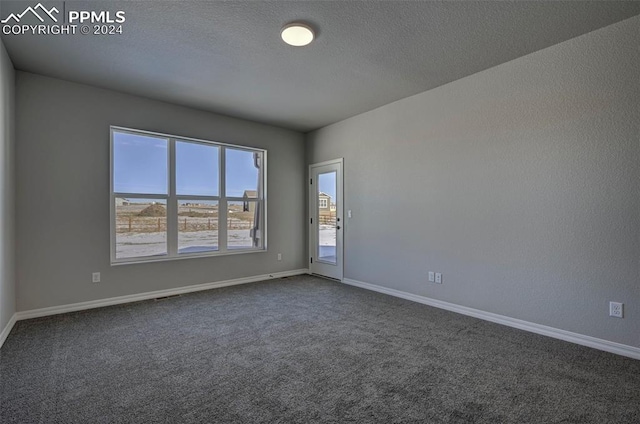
(432,276)
(616,309)
(438,278)
(95,277)
(279,256)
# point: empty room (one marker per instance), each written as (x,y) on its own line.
(320,212)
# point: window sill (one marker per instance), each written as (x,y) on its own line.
(183,256)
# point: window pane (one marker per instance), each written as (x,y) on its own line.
(196,169)
(141,227)
(197,226)
(242,172)
(243,225)
(139,164)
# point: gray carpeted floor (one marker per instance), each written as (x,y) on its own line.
(302,350)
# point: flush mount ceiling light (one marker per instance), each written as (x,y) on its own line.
(297,34)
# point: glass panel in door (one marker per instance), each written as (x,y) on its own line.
(326,213)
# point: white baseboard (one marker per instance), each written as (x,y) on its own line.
(596,343)
(7,329)
(55,310)
(600,344)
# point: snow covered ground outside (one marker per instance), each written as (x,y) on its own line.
(132,245)
(327,235)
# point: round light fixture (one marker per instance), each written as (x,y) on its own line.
(297,34)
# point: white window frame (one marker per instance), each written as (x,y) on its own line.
(324,203)
(172,199)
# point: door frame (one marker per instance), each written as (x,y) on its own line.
(312,212)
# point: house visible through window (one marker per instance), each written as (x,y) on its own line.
(176,197)
(247,204)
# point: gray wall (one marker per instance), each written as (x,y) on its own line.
(519,184)
(7,189)
(63,193)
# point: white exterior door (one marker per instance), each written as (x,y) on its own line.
(326,219)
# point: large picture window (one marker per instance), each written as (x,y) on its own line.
(175,197)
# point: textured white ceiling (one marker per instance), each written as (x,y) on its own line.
(227,57)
